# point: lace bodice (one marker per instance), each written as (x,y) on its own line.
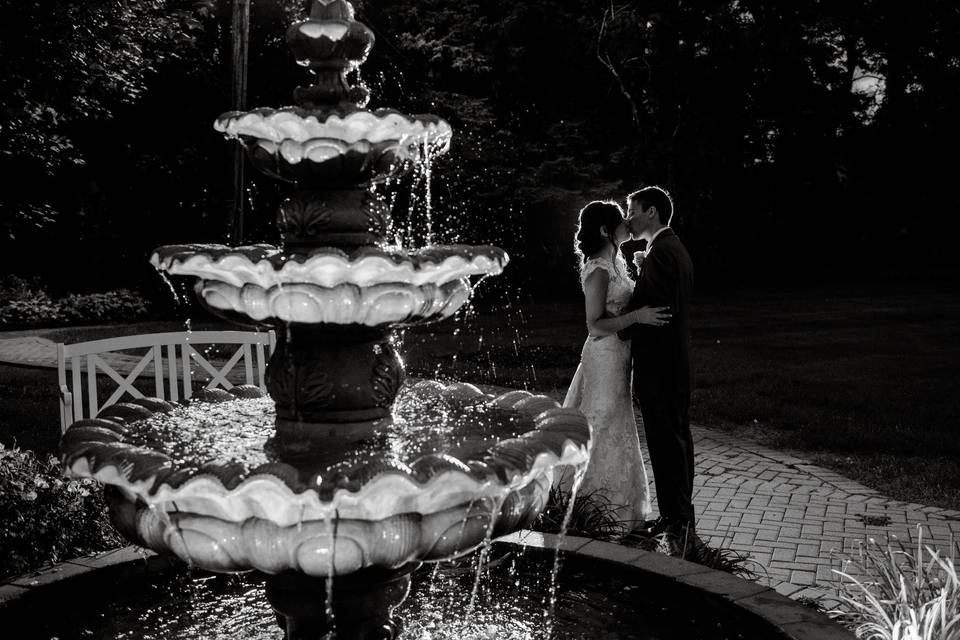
(619,287)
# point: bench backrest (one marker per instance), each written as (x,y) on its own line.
(176,361)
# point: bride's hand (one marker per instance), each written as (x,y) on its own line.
(653,316)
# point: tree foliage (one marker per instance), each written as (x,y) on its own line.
(777,128)
(66,64)
(783,130)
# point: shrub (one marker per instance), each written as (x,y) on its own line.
(13,287)
(45,517)
(25,303)
(892,593)
(112,306)
(34,310)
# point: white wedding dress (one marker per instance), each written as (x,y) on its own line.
(601,390)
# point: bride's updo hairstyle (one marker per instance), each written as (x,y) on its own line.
(595,216)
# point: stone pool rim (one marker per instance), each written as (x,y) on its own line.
(793,620)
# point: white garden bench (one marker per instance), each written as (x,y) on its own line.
(175,361)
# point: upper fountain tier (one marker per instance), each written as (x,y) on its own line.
(334,147)
(330,139)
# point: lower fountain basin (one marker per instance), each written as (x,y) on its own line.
(454,467)
(604,591)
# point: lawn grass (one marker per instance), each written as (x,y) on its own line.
(862,382)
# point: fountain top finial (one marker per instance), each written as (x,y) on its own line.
(332,44)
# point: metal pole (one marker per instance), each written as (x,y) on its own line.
(240,36)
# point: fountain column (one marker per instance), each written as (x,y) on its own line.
(332,383)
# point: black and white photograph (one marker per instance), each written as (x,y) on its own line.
(479,320)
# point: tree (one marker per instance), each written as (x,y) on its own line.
(66,64)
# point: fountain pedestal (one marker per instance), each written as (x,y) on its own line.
(332,385)
(361,607)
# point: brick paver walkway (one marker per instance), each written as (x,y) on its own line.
(790,516)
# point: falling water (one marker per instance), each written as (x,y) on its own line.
(169,283)
(433,577)
(409,240)
(187,357)
(389,202)
(578,476)
(330,526)
(176,526)
(283,225)
(427,172)
(485,547)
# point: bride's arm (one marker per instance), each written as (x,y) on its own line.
(595,302)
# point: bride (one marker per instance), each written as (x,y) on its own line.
(601,385)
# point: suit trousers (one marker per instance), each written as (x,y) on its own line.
(666,422)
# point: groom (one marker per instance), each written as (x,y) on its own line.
(661,359)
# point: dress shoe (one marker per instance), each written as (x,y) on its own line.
(677,527)
(681,541)
(658,526)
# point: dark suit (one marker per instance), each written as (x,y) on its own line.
(662,378)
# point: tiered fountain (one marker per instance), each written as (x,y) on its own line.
(350,480)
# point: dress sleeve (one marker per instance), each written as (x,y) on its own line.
(592,265)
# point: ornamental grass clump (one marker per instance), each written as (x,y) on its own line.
(592,516)
(894,593)
(46,518)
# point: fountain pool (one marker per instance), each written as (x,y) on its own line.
(605,592)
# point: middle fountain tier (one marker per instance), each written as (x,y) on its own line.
(334,474)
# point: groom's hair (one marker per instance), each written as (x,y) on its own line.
(654,196)
(593,217)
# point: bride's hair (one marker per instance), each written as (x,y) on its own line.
(599,214)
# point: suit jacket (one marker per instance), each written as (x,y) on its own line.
(661,355)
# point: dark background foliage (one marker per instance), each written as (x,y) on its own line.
(743,109)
